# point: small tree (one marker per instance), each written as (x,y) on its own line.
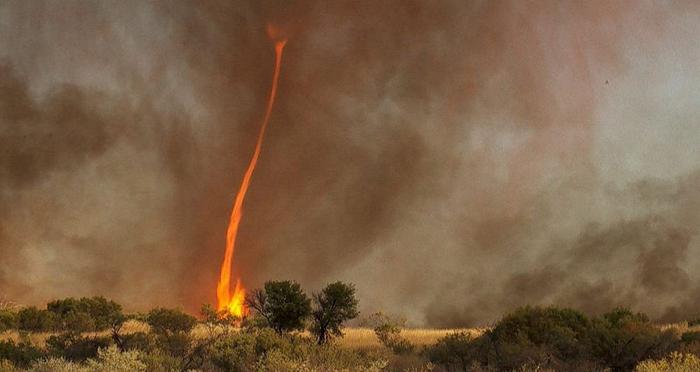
(283,305)
(333,306)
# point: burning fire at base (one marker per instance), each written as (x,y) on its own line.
(234,302)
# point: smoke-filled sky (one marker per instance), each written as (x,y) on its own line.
(454,159)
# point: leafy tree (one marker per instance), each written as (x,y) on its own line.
(333,306)
(283,305)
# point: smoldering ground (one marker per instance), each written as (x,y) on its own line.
(453,159)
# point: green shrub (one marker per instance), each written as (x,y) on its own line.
(266,350)
(240,351)
(56,365)
(690,337)
(620,339)
(329,357)
(34,320)
(75,347)
(112,360)
(388,331)
(547,337)
(139,341)
(108,359)
(86,314)
(158,361)
(675,362)
(234,352)
(170,321)
(171,328)
(21,354)
(8,320)
(456,351)
(177,344)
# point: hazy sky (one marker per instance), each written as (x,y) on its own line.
(454,159)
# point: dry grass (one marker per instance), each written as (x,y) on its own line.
(680,328)
(39,339)
(357,338)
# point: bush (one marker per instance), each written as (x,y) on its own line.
(56,365)
(34,320)
(139,341)
(21,355)
(620,339)
(8,320)
(234,352)
(559,339)
(86,314)
(675,362)
(172,328)
(112,360)
(241,351)
(546,337)
(170,321)
(158,361)
(107,360)
(266,350)
(388,331)
(74,347)
(690,337)
(456,352)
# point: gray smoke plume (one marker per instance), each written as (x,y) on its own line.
(454,159)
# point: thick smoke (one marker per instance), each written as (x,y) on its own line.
(455,159)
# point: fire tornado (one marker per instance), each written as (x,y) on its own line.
(234,302)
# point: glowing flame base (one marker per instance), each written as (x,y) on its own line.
(234,302)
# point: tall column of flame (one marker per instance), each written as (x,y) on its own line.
(234,302)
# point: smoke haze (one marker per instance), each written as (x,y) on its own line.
(454,160)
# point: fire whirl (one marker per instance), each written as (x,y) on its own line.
(234,302)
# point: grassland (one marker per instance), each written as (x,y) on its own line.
(354,338)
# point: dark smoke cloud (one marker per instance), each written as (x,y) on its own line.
(454,160)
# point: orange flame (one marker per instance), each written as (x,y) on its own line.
(234,302)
